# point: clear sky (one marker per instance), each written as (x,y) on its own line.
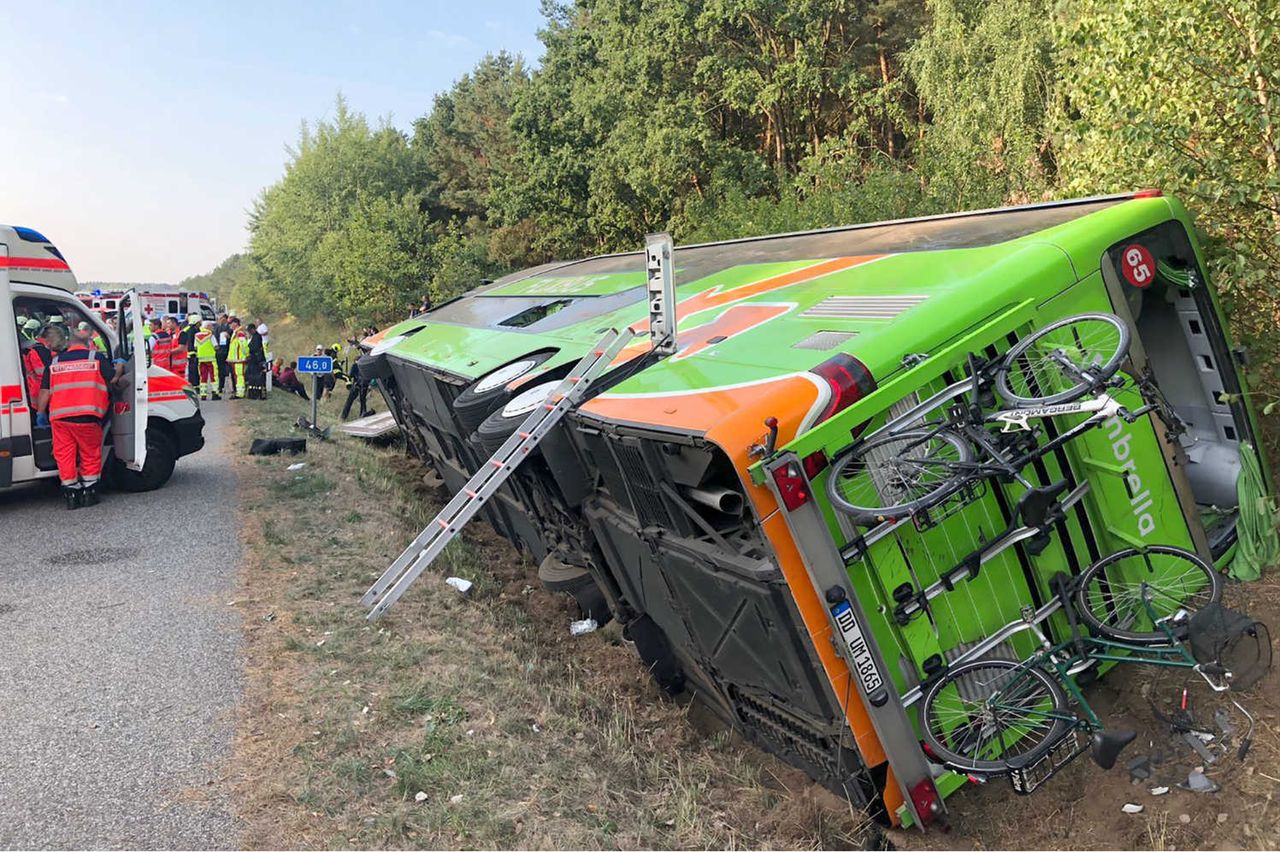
(136,135)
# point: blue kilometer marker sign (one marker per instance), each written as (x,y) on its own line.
(315,364)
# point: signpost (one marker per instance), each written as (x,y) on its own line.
(317,365)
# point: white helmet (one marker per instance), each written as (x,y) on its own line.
(262,329)
(193,318)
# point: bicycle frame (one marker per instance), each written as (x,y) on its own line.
(1071,656)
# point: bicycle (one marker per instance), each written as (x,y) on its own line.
(899,472)
(997,716)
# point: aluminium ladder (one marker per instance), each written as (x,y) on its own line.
(466,503)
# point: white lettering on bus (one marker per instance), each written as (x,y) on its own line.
(1140,502)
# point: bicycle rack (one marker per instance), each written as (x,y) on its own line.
(968,569)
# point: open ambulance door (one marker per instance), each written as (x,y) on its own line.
(129,406)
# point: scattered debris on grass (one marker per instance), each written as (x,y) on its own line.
(463,721)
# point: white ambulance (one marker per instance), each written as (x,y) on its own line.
(157,300)
(155,417)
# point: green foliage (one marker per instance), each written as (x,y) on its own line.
(222,279)
(1184,97)
(723,118)
(466,140)
(984,70)
(311,231)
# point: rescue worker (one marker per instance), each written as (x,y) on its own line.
(357,387)
(162,343)
(76,398)
(150,328)
(177,351)
(237,356)
(35,363)
(222,339)
(98,342)
(266,357)
(206,348)
(256,370)
(188,340)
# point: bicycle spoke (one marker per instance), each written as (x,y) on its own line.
(899,471)
(992,713)
(1064,360)
(1142,590)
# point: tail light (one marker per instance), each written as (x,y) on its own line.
(849,380)
(924,795)
(793,488)
(1148,193)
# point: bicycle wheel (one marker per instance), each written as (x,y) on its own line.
(895,475)
(1050,365)
(1176,582)
(990,715)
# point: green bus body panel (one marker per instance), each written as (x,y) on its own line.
(469,352)
(570,285)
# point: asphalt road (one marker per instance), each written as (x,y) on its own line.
(119,662)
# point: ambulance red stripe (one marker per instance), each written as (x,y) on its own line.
(33,263)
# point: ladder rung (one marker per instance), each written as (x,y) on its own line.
(464,505)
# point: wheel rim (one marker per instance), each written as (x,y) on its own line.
(1124,594)
(503,376)
(990,715)
(1056,362)
(899,472)
(524,403)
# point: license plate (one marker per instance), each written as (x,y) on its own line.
(863,663)
(1027,779)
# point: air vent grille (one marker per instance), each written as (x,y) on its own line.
(824,340)
(862,307)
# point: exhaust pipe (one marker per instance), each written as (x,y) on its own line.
(720,499)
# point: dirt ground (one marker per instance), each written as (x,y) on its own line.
(1082,806)
(479,721)
(470,721)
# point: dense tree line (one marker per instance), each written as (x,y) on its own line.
(719,118)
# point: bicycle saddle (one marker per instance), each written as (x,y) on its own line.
(1107,745)
(1038,507)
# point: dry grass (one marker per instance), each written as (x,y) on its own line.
(462,721)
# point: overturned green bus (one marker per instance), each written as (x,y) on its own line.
(842,488)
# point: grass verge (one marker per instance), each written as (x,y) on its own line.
(457,721)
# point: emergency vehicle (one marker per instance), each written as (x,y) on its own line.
(155,417)
(157,300)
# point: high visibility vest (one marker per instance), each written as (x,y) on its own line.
(238,351)
(76,385)
(162,351)
(35,367)
(206,348)
(178,358)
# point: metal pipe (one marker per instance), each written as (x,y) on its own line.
(720,499)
